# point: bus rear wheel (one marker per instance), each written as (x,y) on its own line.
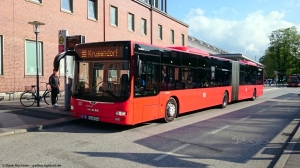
(225,100)
(171,110)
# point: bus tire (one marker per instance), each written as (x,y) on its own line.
(254,95)
(225,100)
(171,110)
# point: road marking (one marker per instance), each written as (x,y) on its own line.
(171,152)
(270,89)
(245,118)
(220,129)
(261,110)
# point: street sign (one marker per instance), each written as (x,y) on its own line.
(62,34)
(61,40)
(61,48)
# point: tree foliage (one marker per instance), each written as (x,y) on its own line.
(283,54)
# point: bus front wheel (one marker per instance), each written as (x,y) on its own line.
(171,110)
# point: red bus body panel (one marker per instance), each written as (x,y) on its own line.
(104,110)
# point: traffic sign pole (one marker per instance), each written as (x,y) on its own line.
(62,36)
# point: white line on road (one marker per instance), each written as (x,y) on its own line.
(245,118)
(171,152)
(220,129)
(261,110)
(270,89)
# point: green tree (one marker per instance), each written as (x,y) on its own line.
(283,53)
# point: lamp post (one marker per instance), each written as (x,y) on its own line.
(36,30)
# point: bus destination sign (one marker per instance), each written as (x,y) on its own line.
(100,52)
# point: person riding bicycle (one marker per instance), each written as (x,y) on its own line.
(54,83)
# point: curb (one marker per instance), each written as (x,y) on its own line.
(40,126)
(288,150)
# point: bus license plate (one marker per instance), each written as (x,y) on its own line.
(90,117)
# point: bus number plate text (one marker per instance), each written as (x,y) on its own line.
(89,117)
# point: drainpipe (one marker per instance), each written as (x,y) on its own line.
(151,22)
(103,20)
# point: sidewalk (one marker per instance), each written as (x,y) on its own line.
(15,118)
(290,157)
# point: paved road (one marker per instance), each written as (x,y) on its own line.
(245,134)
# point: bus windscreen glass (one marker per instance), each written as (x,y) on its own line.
(103,81)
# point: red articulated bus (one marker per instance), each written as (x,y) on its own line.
(127,82)
(293,80)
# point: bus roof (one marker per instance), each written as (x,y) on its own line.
(191,50)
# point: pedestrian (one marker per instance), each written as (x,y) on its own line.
(54,83)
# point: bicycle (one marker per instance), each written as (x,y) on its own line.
(29,96)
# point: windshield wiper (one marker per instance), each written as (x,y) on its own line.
(97,85)
(110,93)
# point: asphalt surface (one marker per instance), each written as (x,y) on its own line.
(15,118)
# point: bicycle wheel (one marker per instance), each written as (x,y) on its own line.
(27,99)
(47,98)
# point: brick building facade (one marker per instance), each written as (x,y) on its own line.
(92,18)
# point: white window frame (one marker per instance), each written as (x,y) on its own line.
(70,2)
(1,54)
(33,60)
(130,22)
(172,34)
(113,17)
(94,9)
(160,32)
(144,26)
(36,1)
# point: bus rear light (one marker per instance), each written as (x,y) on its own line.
(120,113)
(72,107)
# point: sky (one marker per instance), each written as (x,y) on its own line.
(236,26)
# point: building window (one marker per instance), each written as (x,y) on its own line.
(131,22)
(172,36)
(156,3)
(30,57)
(92,9)
(37,1)
(159,32)
(146,1)
(67,5)
(182,39)
(144,26)
(113,16)
(1,55)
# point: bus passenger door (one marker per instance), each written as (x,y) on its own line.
(146,100)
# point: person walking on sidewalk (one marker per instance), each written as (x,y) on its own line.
(54,83)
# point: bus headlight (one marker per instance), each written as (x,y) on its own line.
(120,113)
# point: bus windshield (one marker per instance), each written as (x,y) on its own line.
(103,81)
